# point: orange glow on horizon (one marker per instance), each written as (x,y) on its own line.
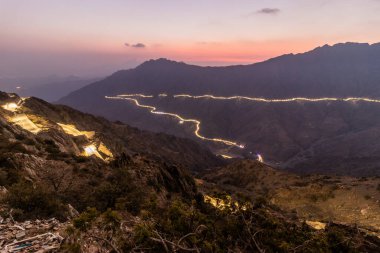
(233,52)
(209,53)
(240,52)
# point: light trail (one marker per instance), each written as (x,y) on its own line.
(136,95)
(197,123)
(266,100)
(181,120)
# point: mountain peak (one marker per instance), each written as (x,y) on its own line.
(160,63)
(344,46)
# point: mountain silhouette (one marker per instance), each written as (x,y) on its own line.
(305,137)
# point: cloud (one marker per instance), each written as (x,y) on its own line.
(137,45)
(270,11)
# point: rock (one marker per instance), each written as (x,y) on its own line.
(73,212)
(20,235)
(30,236)
(316,225)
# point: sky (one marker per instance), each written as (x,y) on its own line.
(98,37)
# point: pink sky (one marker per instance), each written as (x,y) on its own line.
(43,37)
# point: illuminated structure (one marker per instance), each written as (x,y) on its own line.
(223,204)
(103,149)
(25,123)
(72,130)
(91,149)
(10,107)
(260,158)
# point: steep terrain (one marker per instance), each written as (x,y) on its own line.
(341,70)
(73,153)
(307,137)
(114,188)
(116,136)
(334,137)
(319,198)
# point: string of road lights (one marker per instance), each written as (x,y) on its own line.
(302,99)
(182,120)
(197,123)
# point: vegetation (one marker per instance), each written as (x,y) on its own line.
(127,218)
(34,201)
(198,227)
(146,203)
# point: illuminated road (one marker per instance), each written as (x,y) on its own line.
(265,100)
(197,123)
(181,120)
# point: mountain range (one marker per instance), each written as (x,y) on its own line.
(334,137)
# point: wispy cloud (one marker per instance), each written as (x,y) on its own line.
(137,45)
(270,11)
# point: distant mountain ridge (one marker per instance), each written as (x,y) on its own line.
(349,69)
(306,137)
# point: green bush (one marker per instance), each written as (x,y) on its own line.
(35,201)
(85,219)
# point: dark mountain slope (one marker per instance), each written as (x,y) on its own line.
(117,136)
(341,70)
(55,161)
(306,137)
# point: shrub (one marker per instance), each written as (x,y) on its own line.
(34,202)
(85,219)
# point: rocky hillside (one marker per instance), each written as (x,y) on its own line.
(73,131)
(72,182)
(74,154)
(346,200)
